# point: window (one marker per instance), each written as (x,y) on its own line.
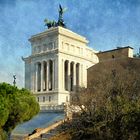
(78,50)
(43,99)
(81,51)
(33,49)
(50,45)
(44,47)
(53,45)
(39,49)
(38,99)
(49,98)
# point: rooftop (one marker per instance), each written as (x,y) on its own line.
(59,30)
(118,48)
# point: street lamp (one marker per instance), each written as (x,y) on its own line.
(14,82)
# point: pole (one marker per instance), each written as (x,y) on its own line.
(14,82)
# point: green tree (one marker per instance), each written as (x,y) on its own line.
(16,106)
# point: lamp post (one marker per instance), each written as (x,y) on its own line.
(14,82)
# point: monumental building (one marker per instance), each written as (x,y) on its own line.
(57,65)
(59,61)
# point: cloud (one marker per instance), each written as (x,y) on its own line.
(105,23)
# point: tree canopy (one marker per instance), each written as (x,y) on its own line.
(16,106)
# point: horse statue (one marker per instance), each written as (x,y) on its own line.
(50,23)
(60,21)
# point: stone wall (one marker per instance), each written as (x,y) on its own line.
(122,52)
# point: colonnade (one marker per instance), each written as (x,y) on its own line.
(46,75)
(71,75)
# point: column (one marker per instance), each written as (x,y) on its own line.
(57,72)
(47,75)
(68,76)
(42,75)
(77,75)
(74,76)
(80,75)
(63,75)
(44,78)
(53,74)
(32,76)
(36,77)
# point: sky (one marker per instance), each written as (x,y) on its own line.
(107,24)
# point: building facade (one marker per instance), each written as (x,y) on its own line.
(57,65)
(118,53)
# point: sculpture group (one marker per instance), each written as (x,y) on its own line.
(60,21)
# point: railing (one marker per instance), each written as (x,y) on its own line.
(52,108)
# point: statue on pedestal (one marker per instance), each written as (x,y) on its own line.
(60,21)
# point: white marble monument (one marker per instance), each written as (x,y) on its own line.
(58,64)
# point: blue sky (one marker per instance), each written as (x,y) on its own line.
(105,23)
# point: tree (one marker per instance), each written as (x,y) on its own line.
(16,106)
(137,55)
(110,106)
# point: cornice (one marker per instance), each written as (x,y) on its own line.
(48,32)
(44,53)
(78,56)
(56,51)
(59,31)
(72,35)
